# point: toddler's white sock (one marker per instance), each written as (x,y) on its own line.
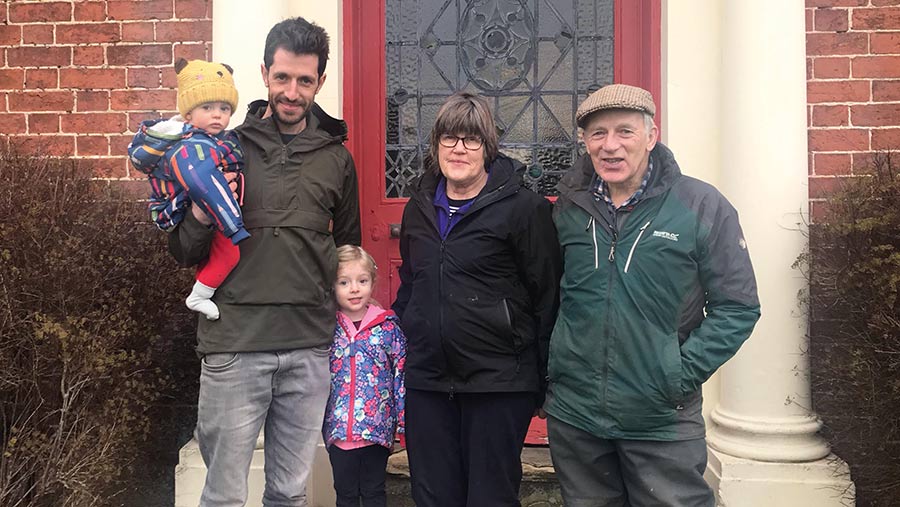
(200,300)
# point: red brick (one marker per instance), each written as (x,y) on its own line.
(143,77)
(862,162)
(832,163)
(191,51)
(809,69)
(875,115)
(53,145)
(819,211)
(147,9)
(885,139)
(830,68)
(820,187)
(838,139)
(876,66)
(90,11)
(836,3)
(137,32)
(92,146)
(135,119)
(830,116)
(39,57)
(84,123)
(829,44)
(809,19)
(135,189)
(119,144)
(88,33)
(43,123)
(40,12)
(832,20)
(91,101)
(881,3)
(886,91)
(10,35)
(837,91)
(41,79)
(12,123)
(882,18)
(108,167)
(12,79)
(88,55)
(148,54)
(192,9)
(134,100)
(887,42)
(92,78)
(181,31)
(37,34)
(169,78)
(41,101)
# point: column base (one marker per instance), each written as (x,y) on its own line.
(739,482)
(190,474)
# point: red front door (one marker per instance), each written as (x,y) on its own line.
(534,60)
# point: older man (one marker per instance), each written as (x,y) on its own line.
(658,292)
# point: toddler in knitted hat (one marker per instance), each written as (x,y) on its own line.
(185,158)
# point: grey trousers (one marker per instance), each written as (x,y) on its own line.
(595,472)
(286,392)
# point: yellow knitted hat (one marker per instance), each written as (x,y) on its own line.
(200,82)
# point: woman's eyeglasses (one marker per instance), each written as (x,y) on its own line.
(470,143)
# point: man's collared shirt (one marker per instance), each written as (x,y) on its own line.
(600,189)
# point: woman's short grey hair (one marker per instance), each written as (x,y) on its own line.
(464,113)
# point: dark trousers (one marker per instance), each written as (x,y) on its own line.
(359,473)
(596,472)
(466,451)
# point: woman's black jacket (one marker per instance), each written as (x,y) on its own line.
(478,307)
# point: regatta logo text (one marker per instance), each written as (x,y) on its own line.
(666,235)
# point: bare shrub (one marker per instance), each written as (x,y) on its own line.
(86,292)
(854,268)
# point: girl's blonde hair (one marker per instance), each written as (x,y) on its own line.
(353,253)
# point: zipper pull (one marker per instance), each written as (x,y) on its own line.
(451,393)
(612,247)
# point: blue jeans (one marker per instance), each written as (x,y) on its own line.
(239,392)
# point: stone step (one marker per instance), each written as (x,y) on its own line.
(539,487)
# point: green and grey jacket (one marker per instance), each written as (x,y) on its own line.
(300,200)
(654,298)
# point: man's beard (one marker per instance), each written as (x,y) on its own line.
(290,121)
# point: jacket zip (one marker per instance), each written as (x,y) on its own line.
(593,227)
(641,233)
(352,401)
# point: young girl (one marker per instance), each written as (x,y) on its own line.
(365,408)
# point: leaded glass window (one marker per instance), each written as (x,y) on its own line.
(534,60)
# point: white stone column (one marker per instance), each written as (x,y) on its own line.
(239,33)
(764,444)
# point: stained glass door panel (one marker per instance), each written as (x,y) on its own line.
(534,60)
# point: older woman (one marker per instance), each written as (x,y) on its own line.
(477,301)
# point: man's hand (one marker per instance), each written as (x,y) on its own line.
(539,412)
(198,212)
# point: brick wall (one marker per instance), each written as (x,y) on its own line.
(853,72)
(77,77)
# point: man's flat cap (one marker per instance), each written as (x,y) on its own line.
(616,96)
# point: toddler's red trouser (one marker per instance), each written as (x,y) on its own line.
(223,257)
